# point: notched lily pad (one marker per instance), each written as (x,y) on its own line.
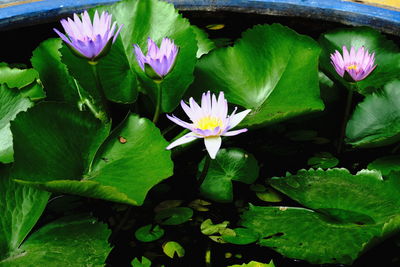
(149,233)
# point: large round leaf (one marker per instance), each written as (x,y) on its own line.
(387,55)
(20,208)
(70,241)
(58,154)
(350,212)
(133,159)
(230,165)
(60,145)
(11,103)
(271,70)
(376,120)
(157,19)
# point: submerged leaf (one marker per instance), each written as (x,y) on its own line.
(149,233)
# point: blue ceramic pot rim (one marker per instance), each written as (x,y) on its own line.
(21,12)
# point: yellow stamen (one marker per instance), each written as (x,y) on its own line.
(208,123)
(352,67)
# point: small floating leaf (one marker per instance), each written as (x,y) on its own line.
(171,248)
(174,216)
(149,233)
(208,228)
(242,236)
(255,264)
(269,195)
(167,204)
(324,160)
(144,263)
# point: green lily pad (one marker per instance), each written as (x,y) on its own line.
(149,233)
(386,164)
(20,208)
(171,248)
(70,241)
(323,160)
(144,263)
(254,264)
(54,75)
(15,77)
(271,70)
(387,55)
(174,216)
(126,166)
(376,120)
(242,236)
(269,195)
(11,103)
(230,165)
(204,44)
(157,19)
(208,228)
(347,214)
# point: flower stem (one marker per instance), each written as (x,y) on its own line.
(345,118)
(205,170)
(103,110)
(158,104)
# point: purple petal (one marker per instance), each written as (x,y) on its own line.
(180,122)
(139,56)
(236,132)
(183,140)
(235,119)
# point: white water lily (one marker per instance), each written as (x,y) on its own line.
(209,121)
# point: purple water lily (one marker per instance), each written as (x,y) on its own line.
(87,40)
(210,121)
(358,64)
(161,60)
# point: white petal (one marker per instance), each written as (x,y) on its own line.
(235,119)
(233,133)
(183,140)
(212,145)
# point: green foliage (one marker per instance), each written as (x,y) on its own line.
(20,208)
(15,77)
(323,160)
(376,120)
(255,264)
(129,162)
(144,263)
(241,236)
(149,233)
(271,70)
(387,55)
(230,165)
(204,44)
(174,216)
(171,248)
(347,214)
(157,19)
(11,103)
(386,164)
(208,228)
(54,75)
(80,241)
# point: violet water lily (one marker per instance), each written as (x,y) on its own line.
(209,121)
(358,64)
(161,59)
(89,40)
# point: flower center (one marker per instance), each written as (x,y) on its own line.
(208,123)
(352,67)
